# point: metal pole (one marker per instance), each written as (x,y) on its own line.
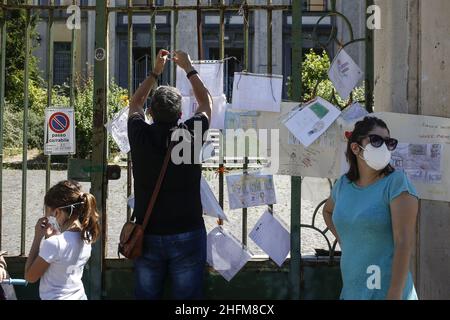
(296,182)
(130,93)
(49,84)
(173,43)
(269,38)
(73,57)
(153,34)
(25,130)
(370,82)
(246,67)
(199,31)
(99,137)
(269,55)
(221,138)
(2,106)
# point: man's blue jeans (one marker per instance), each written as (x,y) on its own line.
(180,257)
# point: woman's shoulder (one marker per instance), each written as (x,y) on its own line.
(397,175)
(342,180)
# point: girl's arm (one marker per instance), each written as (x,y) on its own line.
(35,266)
(404,211)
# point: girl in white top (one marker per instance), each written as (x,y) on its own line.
(62,242)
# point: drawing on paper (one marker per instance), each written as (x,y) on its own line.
(421,162)
(250,190)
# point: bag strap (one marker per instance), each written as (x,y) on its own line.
(157,186)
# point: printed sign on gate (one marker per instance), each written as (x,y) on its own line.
(59,131)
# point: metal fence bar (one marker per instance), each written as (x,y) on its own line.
(99,145)
(2,106)
(221,138)
(296,182)
(199,31)
(143,8)
(49,84)
(247,68)
(269,55)
(25,130)
(173,43)
(370,71)
(130,93)
(153,33)
(73,57)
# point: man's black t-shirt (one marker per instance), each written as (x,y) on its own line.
(178,207)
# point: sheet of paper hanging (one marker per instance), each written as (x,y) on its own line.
(118,127)
(272,236)
(423,152)
(257,92)
(344,73)
(211,72)
(322,159)
(189,105)
(312,120)
(250,190)
(209,202)
(225,253)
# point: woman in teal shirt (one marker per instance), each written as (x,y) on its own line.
(372,212)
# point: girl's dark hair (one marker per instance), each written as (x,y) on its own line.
(361,130)
(69,192)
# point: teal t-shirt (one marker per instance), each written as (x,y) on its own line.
(362,218)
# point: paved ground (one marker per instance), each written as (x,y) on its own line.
(313,191)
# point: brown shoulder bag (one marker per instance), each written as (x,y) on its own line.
(132,234)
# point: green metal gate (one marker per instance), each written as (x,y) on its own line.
(99,179)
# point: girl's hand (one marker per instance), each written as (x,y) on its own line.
(3,274)
(43,229)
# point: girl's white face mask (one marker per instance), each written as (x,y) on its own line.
(54,223)
(376,158)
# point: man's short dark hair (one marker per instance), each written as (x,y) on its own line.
(166,104)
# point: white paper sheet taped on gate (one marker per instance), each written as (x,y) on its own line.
(225,254)
(271,236)
(211,73)
(257,92)
(189,105)
(118,128)
(209,202)
(344,73)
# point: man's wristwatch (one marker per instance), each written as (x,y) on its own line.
(154,75)
(191,73)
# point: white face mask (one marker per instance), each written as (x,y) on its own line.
(376,158)
(54,223)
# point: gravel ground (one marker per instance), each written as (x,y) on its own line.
(313,191)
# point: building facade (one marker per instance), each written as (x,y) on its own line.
(186,38)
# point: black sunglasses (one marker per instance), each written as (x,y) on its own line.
(377,141)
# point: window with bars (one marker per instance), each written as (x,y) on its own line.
(315,5)
(311,5)
(61,62)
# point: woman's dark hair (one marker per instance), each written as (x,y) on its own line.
(69,192)
(361,130)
